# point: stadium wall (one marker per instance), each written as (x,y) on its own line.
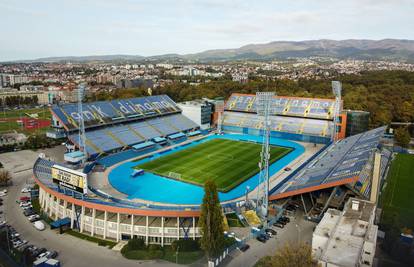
(276,134)
(116,222)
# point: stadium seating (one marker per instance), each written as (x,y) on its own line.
(125,135)
(280,123)
(341,160)
(108,112)
(289,106)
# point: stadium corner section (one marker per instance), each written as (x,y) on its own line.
(153,188)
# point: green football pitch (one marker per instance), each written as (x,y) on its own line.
(397,200)
(227,162)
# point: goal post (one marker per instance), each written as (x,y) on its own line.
(175,175)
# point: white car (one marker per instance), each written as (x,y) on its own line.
(44,255)
(27,207)
(26,190)
(25,204)
(4,191)
(39,225)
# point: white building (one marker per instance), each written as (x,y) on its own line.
(199,111)
(346,238)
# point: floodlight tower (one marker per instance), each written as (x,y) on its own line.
(337,91)
(219,106)
(265,108)
(82,137)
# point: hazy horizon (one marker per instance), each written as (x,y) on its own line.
(33,29)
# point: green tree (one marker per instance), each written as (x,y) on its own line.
(211,222)
(5,177)
(299,255)
(402,136)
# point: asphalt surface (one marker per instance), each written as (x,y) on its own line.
(298,230)
(77,253)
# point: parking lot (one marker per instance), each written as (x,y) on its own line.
(296,230)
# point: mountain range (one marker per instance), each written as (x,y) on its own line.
(386,49)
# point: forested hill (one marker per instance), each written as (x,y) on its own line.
(388,95)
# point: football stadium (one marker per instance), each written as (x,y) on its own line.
(147,162)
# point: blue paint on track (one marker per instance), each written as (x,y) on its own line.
(156,188)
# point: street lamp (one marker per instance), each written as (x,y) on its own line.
(298,227)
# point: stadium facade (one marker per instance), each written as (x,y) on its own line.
(119,131)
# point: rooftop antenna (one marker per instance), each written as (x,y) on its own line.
(82,136)
(337,91)
(265,105)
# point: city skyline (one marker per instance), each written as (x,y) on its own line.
(80,28)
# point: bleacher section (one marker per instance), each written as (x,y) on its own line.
(115,111)
(126,135)
(340,163)
(288,106)
(295,125)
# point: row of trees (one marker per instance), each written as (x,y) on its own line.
(387,95)
(13,101)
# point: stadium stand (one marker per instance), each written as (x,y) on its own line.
(295,118)
(289,106)
(294,125)
(115,111)
(339,163)
(120,124)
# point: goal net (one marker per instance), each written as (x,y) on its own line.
(175,175)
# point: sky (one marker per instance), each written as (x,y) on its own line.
(42,28)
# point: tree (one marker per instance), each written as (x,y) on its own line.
(299,255)
(5,177)
(402,136)
(211,222)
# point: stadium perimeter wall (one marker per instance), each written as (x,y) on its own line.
(116,222)
(282,135)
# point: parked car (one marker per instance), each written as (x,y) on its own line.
(244,247)
(39,225)
(260,238)
(273,232)
(33,218)
(284,218)
(265,236)
(25,198)
(53,255)
(278,225)
(44,254)
(281,222)
(28,212)
(26,190)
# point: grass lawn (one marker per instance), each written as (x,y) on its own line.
(184,257)
(100,242)
(397,200)
(227,162)
(43,113)
(8,119)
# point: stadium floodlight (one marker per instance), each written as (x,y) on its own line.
(219,107)
(82,136)
(265,104)
(337,91)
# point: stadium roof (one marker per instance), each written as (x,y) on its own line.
(339,163)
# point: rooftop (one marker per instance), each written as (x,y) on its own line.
(340,236)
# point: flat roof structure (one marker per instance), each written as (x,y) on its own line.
(346,238)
